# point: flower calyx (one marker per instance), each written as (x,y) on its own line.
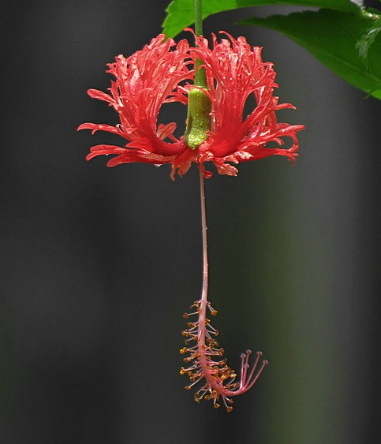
(198,118)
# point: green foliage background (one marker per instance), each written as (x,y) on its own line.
(340,34)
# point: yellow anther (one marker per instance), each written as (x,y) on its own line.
(229,408)
(182,371)
(185,315)
(214,312)
(188,387)
(216,405)
(183,350)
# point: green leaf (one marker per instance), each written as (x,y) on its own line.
(369,38)
(331,36)
(180,13)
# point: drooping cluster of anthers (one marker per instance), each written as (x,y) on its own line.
(207,366)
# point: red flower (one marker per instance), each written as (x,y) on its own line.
(163,72)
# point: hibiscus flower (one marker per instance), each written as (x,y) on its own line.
(163,72)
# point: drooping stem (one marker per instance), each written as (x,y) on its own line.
(201,82)
(205,268)
(204,228)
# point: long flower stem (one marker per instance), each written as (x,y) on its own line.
(200,80)
(205,274)
(203,321)
(205,265)
(198,31)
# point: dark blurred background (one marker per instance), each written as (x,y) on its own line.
(98,264)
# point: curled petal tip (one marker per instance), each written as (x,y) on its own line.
(82,126)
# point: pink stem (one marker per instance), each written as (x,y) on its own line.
(205,281)
(205,274)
